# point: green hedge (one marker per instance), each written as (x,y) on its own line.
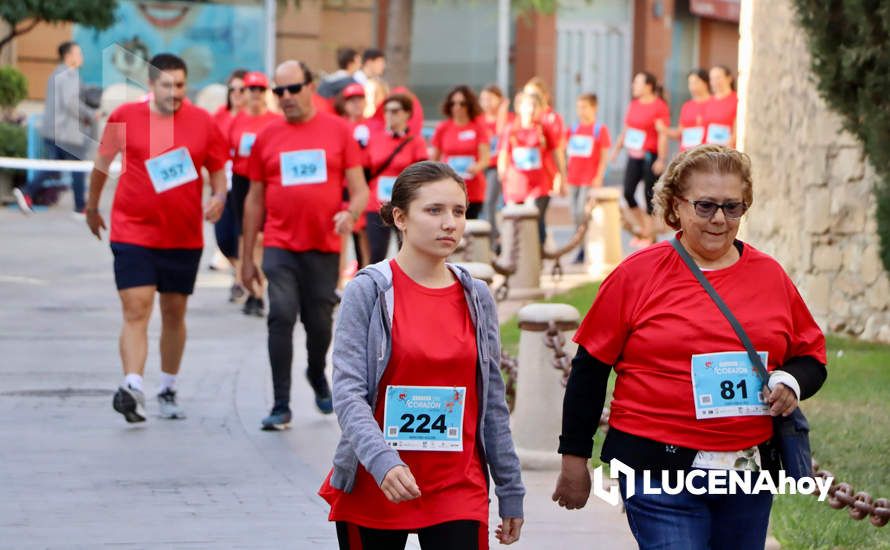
(849,41)
(13,87)
(13,142)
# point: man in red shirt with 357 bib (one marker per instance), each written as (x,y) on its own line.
(297,168)
(156,221)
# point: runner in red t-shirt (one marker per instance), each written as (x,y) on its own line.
(687,395)
(156,221)
(587,145)
(226,230)
(297,168)
(693,127)
(461,142)
(644,137)
(390,150)
(242,133)
(495,115)
(425,419)
(720,112)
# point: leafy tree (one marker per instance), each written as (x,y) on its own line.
(98,14)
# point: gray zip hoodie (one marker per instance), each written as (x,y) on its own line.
(362,348)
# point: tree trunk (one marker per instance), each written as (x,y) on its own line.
(399,25)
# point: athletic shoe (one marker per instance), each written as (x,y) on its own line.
(236,293)
(322,394)
(254,307)
(130,402)
(278,419)
(169,408)
(23,200)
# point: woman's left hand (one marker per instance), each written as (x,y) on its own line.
(782,400)
(508,531)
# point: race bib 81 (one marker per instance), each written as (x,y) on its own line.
(726,384)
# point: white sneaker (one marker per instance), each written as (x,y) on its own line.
(23,201)
(169,408)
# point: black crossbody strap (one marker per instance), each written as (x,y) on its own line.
(736,326)
(390,158)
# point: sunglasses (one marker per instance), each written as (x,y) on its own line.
(292,89)
(707,209)
(256,88)
(236,90)
(460,103)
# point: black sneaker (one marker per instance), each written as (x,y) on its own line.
(279,419)
(236,293)
(254,307)
(130,402)
(322,390)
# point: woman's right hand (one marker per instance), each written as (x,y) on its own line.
(399,485)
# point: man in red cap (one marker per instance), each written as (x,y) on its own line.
(242,133)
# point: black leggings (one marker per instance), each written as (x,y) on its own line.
(240,187)
(474,209)
(378,236)
(462,534)
(639,169)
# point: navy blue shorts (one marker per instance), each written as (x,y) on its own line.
(168,269)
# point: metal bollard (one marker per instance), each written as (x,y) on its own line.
(526,282)
(604,232)
(476,244)
(479,270)
(537,414)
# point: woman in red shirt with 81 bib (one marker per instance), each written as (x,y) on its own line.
(419,396)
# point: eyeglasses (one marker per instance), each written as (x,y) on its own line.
(292,89)
(257,89)
(707,209)
(235,90)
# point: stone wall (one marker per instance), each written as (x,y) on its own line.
(813,206)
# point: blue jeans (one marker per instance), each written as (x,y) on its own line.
(54,152)
(695,522)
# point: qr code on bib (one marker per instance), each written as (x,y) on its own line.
(706,399)
(452,432)
(392,431)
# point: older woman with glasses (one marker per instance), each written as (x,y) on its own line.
(390,150)
(461,142)
(686,395)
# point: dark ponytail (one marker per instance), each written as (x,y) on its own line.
(652,82)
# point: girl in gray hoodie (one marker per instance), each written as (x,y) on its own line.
(418,390)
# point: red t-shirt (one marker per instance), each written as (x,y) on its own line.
(555,130)
(651,315)
(494,137)
(452,484)
(242,132)
(380,147)
(692,123)
(300,209)
(141,214)
(463,141)
(223,118)
(641,117)
(721,112)
(527,179)
(585,152)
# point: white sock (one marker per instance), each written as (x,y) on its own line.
(134,381)
(167,381)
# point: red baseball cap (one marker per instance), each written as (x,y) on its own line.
(255,78)
(353,90)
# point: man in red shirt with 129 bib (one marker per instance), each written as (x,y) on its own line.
(156,221)
(297,169)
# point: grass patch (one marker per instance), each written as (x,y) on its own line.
(850,437)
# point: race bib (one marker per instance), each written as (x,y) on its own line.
(727,384)
(304,167)
(580,146)
(361,135)
(466,135)
(424,418)
(384,188)
(493,145)
(246,144)
(719,134)
(172,169)
(634,139)
(461,165)
(692,137)
(527,158)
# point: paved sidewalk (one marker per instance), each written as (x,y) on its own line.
(74,475)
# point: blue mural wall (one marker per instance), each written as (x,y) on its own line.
(213,39)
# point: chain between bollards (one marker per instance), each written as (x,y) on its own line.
(861,504)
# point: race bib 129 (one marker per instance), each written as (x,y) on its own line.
(172,169)
(304,167)
(424,418)
(726,384)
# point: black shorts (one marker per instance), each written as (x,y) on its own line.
(168,269)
